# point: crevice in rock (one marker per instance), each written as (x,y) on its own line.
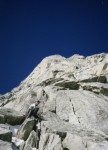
(96,90)
(85,144)
(72,85)
(55,72)
(62,135)
(104,91)
(6,101)
(91,89)
(47,140)
(74,111)
(49,81)
(45,94)
(38,133)
(65,149)
(55,107)
(106,139)
(66,120)
(100,79)
(53,111)
(14,147)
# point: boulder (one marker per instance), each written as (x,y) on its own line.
(5,133)
(25,129)
(62,128)
(5,145)
(11,116)
(32,140)
(72,137)
(50,141)
(73,142)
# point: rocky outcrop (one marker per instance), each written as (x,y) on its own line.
(25,129)
(50,141)
(68,85)
(11,116)
(5,137)
(5,145)
(96,87)
(73,142)
(5,133)
(101,79)
(74,104)
(32,140)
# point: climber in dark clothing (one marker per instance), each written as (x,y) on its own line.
(33,109)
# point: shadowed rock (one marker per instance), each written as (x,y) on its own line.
(98,88)
(31,141)
(2,119)
(67,84)
(5,133)
(11,116)
(25,129)
(101,79)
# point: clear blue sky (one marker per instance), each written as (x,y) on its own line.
(33,29)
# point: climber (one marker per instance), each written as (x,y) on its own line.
(33,109)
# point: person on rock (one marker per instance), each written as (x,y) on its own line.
(33,109)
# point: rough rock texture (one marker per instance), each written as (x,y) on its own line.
(74,102)
(50,142)
(96,87)
(73,142)
(11,116)
(17,142)
(25,129)
(5,133)
(31,141)
(5,145)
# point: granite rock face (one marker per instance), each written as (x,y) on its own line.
(5,145)
(31,141)
(25,129)
(5,133)
(50,142)
(11,116)
(74,103)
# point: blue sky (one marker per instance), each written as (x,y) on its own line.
(33,29)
